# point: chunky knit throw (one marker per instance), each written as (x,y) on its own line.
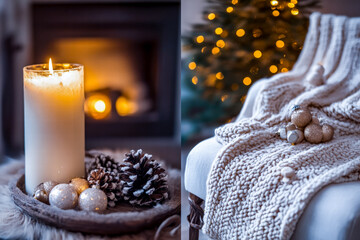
(246,197)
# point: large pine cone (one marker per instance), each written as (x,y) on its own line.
(144,181)
(103,173)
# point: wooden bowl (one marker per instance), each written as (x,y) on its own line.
(118,220)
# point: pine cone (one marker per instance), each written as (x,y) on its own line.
(144,181)
(106,162)
(108,182)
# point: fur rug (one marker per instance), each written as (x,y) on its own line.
(16,225)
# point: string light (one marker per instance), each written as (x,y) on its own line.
(280,44)
(243,98)
(273,68)
(211,16)
(294,1)
(194,80)
(275,13)
(219,76)
(220,43)
(291,5)
(284,70)
(215,50)
(247,81)
(192,65)
(257,53)
(294,11)
(274,3)
(203,49)
(200,39)
(240,32)
(234,2)
(218,30)
(229,9)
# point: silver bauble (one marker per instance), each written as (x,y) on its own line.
(93,199)
(282,132)
(328,132)
(41,196)
(313,133)
(301,118)
(63,196)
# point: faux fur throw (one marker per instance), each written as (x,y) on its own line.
(246,197)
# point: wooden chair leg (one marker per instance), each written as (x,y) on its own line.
(195,218)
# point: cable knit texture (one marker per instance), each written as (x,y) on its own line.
(246,197)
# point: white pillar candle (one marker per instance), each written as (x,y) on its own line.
(54,123)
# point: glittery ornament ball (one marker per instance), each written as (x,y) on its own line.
(328,132)
(301,118)
(290,127)
(79,184)
(313,133)
(41,196)
(63,196)
(93,199)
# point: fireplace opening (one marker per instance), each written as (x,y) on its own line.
(118,80)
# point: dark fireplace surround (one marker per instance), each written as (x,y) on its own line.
(154,25)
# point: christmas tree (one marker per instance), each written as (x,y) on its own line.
(239,43)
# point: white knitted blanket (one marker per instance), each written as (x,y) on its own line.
(246,197)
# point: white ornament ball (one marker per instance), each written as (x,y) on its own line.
(63,196)
(290,127)
(295,136)
(93,199)
(282,132)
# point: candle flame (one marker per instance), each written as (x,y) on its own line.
(51,66)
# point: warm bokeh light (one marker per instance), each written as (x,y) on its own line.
(273,68)
(284,70)
(203,49)
(215,50)
(275,13)
(234,2)
(229,9)
(200,39)
(195,80)
(211,16)
(274,3)
(240,32)
(294,11)
(291,5)
(294,1)
(280,44)
(247,81)
(98,106)
(218,30)
(192,65)
(257,53)
(220,43)
(125,107)
(257,32)
(219,76)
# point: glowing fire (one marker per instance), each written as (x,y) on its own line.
(98,106)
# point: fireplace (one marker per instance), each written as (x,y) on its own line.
(129,50)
